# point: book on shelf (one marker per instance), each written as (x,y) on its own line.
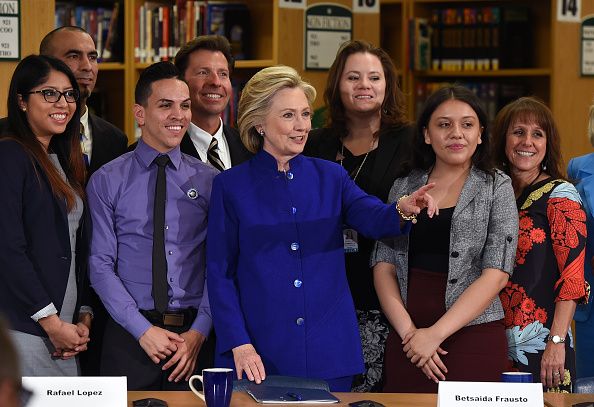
(420,44)
(493,94)
(161,29)
(103,24)
(232,21)
(473,38)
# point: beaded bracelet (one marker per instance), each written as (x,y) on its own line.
(412,218)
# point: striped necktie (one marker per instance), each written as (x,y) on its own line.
(212,155)
(82,145)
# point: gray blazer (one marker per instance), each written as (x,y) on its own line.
(484,234)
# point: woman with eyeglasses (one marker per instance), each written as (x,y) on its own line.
(43,221)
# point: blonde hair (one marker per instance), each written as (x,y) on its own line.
(257,96)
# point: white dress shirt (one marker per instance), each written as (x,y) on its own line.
(201,140)
(86,142)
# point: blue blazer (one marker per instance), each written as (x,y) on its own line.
(275,264)
(35,249)
(582,169)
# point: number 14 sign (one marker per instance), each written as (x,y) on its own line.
(569,10)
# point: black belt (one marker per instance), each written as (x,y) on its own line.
(177,318)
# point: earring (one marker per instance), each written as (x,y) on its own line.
(543,166)
(261,132)
(24,109)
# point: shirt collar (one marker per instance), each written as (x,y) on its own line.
(202,138)
(84,120)
(146,154)
(268,162)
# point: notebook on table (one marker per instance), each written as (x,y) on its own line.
(288,395)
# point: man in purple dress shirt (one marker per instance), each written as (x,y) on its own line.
(157,351)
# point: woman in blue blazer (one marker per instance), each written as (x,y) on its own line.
(276,279)
(581,169)
(42,232)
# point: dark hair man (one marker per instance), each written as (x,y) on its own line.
(206,65)
(101,141)
(149,209)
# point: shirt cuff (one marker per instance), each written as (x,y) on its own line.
(138,326)
(50,309)
(202,324)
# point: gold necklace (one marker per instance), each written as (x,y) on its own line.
(362,162)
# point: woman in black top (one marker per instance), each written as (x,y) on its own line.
(367,133)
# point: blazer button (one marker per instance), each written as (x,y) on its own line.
(300,321)
(297,283)
(294,246)
(455,254)
(509,239)
(289,175)
(453,281)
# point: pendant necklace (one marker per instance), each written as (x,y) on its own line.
(362,162)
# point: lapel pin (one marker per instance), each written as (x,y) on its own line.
(192,193)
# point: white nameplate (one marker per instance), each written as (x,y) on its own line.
(489,394)
(77,391)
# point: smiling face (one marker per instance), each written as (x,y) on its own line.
(454,131)
(48,119)
(362,84)
(166,116)
(207,75)
(78,51)
(286,125)
(525,147)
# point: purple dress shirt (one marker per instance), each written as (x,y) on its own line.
(121,198)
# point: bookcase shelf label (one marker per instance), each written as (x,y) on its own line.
(569,10)
(300,4)
(587,56)
(327,26)
(10,29)
(366,6)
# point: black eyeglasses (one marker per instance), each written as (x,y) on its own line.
(53,95)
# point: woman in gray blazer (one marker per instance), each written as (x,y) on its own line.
(439,286)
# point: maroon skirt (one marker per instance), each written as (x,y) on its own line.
(475,353)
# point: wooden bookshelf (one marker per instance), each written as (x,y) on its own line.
(553,75)
(276,38)
(37,19)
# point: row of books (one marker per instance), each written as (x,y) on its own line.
(471,38)
(494,95)
(160,29)
(104,24)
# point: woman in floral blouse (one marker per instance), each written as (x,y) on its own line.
(548,279)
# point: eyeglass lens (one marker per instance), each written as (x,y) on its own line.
(52,95)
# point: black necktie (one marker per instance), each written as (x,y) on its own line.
(212,155)
(159,262)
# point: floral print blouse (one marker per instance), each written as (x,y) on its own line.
(549,267)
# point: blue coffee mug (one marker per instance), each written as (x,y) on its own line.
(217,384)
(516,377)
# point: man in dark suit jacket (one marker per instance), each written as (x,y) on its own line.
(206,64)
(102,141)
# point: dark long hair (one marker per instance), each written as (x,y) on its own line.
(33,71)
(393,109)
(529,110)
(423,156)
